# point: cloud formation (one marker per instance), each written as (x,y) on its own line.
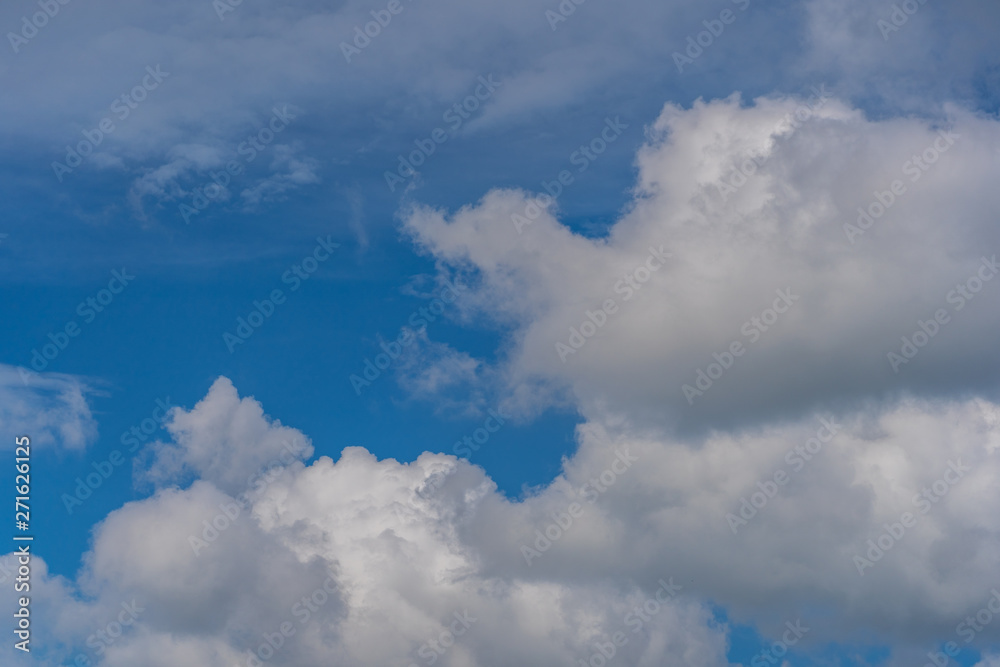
(367,561)
(223,77)
(361,561)
(810,481)
(223,440)
(796,229)
(51,407)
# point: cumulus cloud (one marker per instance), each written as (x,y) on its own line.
(361,561)
(366,561)
(808,482)
(739,210)
(225,440)
(51,408)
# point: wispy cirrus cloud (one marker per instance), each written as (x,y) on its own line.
(51,408)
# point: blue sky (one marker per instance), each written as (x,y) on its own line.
(661,142)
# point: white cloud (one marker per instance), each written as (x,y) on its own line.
(50,408)
(224,440)
(400,548)
(225,76)
(289,171)
(393,547)
(882,50)
(437,373)
(781,228)
(405,546)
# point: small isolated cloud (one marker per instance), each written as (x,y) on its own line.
(289,171)
(50,408)
(452,380)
